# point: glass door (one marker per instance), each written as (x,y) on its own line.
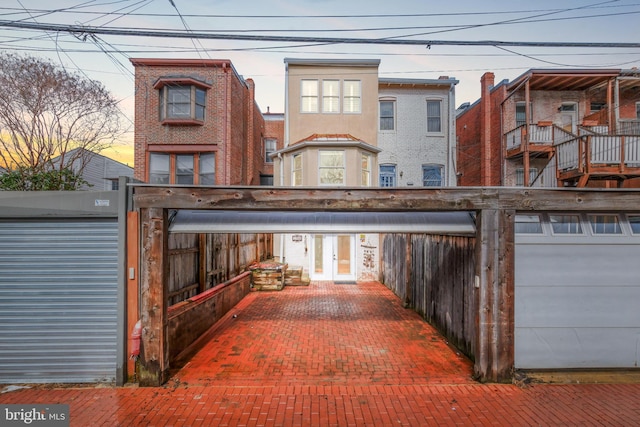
(333,257)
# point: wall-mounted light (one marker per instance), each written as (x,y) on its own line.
(400,174)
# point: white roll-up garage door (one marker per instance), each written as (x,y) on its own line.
(58,302)
(577,291)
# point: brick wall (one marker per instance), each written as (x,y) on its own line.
(232,120)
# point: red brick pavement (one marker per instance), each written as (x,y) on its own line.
(334,355)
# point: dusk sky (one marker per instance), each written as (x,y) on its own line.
(105,57)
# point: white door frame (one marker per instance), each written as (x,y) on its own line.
(329,258)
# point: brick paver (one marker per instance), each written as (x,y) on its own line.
(334,355)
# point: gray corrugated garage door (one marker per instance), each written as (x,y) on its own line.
(577,291)
(58,305)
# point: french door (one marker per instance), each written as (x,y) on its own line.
(333,257)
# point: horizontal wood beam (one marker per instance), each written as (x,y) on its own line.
(380,200)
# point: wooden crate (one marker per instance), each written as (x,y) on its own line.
(268,276)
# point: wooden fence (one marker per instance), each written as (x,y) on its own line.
(435,275)
(198,262)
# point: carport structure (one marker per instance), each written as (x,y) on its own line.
(495,211)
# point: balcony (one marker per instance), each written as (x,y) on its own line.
(542,138)
(590,155)
(598,157)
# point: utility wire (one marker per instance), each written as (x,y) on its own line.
(87,30)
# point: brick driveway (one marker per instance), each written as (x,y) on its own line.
(334,355)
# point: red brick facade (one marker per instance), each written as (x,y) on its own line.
(569,100)
(232,127)
(479,134)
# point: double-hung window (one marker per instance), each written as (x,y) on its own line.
(330,96)
(182,102)
(309,96)
(352,96)
(365,180)
(533,174)
(434,116)
(269,148)
(296,170)
(387,115)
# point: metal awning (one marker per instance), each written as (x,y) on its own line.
(210,221)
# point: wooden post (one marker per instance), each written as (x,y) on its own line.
(525,141)
(154,273)
(495,300)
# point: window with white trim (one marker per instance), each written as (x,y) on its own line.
(352,96)
(331,167)
(432,175)
(605,224)
(365,180)
(528,224)
(331,96)
(565,224)
(269,148)
(182,102)
(387,175)
(434,116)
(309,96)
(296,170)
(533,174)
(387,115)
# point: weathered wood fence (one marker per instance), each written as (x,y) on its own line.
(198,262)
(435,275)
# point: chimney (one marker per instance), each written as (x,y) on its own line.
(486,83)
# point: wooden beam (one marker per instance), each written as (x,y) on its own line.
(379,200)
(154,273)
(494,354)
(133,313)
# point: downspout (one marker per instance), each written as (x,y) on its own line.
(527,113)
(451,143)
(286,105)
(616,105)
(226,140)
(281,166)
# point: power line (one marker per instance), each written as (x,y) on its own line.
(311,16)
(88,30)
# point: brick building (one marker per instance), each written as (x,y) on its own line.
(197,123)
(552,128)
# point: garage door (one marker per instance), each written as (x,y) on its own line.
(577,281)
(58,306)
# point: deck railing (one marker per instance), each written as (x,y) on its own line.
(613,150)
(544,135)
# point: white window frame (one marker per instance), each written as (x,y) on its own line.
(296,170)
(365,179)
(352,97)
(270,145)
(309,96)
(432,166)
(338,168)
(385,175)
(331,96)
(440,118)
(392,117)
(519,176)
